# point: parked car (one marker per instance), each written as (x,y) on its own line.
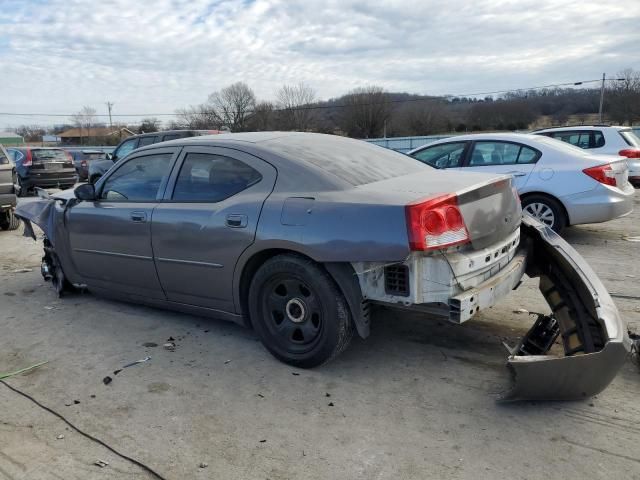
(297,235)
(8,180)
(82,159)
(98,168)
(558,184)
(42,167)
(602,139)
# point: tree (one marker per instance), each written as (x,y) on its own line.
(426,117)
(262,117)
(366,111)
(30,133)
(294,105)
(84,120)
(198,117)
(624,97)
(233,104)
(149,125)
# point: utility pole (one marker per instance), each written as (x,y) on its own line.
(601,99)
(109,106)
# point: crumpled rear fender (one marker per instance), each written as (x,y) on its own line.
(594,336)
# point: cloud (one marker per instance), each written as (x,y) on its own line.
(156,56)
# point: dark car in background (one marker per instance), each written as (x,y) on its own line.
(82,159)
(43,167)
(99,168)
(8,221)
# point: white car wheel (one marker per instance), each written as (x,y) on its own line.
(541,212)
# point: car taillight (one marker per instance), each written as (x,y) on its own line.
(435,223)
(28,159)
(69,156)
(603,174)
(630,153)
(83,163)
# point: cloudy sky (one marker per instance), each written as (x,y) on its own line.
(155,56)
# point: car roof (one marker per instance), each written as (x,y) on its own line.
(506,136)
(170,132)
(580,127)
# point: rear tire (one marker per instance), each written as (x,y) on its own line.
(545,209)
(9,221)
(298,311)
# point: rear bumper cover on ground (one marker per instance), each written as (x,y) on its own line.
(576,374)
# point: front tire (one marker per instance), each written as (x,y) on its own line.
(10,221)
(546,210)
(298,311)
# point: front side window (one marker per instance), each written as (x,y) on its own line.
(501,153)
(138,180)
(147,141)
(212,178)
(171,136)
(447,155)
(125,148)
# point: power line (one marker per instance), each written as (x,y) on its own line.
(321,107)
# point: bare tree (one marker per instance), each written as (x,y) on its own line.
(149,125)
(366,111)
(294,103)
(262,118)
(424,117)
(198,117)
(233,104)
(624,97)
(31,133)
(84,120)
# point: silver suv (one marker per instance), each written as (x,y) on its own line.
(602,139)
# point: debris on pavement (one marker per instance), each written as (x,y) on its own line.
(203,465)
(295,373)
(149,344)
(23,270)
(60,437)
(262,441)
(101,463)
(227,361)
(107,380)
(330,404)
(22,370)
(521,310)
(171,346)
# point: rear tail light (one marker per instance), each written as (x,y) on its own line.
(435,223)
(603,174)
(630,153)
(28,159)
(83,163)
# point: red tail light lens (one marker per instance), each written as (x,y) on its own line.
(435,223)
(28,159)
(83,163)
(603,174)
(630,153)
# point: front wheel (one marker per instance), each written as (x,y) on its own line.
(546,210)
(298,311)
(9,221)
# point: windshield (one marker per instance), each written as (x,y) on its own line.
(630,138)
(50,155)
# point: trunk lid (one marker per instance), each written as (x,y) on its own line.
(50,159)
(489,204)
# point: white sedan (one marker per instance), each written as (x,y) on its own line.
(558,183)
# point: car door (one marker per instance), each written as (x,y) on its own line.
(495,156)
(208,218)
(110,238)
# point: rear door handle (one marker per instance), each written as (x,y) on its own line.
(515,173)
(236,220)
(139,217)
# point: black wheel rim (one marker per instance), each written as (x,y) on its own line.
(293,313)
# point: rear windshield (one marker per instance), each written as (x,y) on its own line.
(49,155)
(92,156)
(354,161)
(630,138)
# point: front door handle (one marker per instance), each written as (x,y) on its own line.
(139,217)
(515,173)
(236,220)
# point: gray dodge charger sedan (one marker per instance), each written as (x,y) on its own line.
(297,235)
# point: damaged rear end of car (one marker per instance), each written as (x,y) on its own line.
(470,249)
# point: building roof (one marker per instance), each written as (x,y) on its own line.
(93,132)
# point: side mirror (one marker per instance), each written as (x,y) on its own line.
(109,156)
(85,192)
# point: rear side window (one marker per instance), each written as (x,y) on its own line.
(630,138)
(501,153)
(581,139)
(147,141)
(138,180)
(448,155)
(212,178)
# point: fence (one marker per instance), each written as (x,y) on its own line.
(405,144)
